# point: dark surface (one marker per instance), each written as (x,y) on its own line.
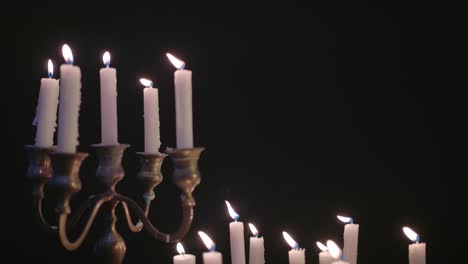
(305,112)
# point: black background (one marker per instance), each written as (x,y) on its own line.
(306,111)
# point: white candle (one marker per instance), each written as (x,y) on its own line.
(296,255)
(151,116)
(236,236)
(350,237)
(183,258)
(211,257)
(69,107)
(257,249)
(183,103)
(416,251)
(46,111)
(108,77)
(336,253)
(324,256)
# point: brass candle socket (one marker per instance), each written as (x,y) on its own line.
(110,247)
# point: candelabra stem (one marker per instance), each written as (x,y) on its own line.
(110,248)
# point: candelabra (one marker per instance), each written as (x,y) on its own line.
(61,172)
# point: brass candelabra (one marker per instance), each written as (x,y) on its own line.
(61,172)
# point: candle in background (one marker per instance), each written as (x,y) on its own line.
(324,255)
(183,103)
(108,77)
(46,110)
(296,254)
(151,116)
(350,237)
(183,258)
(416,251)
(236,235)
(69,107)
(257,249)
(211,257)
(335,252)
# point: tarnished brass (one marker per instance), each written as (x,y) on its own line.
(150,173)
(109,170)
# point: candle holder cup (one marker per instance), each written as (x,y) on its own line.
(61,172)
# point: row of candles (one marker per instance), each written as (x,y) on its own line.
(67,96)
(330,252)
(68,93)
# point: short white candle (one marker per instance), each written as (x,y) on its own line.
(257,248)
(69,107)
(324,255)
(151,116)
(236,236)
(108,77)
(416,251)
(336,253)
(46,111)
(350,237)
(183,103)
(211,257)
(183,258)
(296,254)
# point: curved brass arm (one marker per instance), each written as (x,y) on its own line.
(40,217)
(69,245)
(139,226)
(187,217)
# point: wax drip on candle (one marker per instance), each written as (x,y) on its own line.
(345,219)
(179,64)
(253,229)
(292,243)
(207,241)
(147,83)
(334,250)
(67,54)
(106,59)
(231,211)
(50,69)
(413,236)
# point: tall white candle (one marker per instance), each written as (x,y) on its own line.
(151,116)
(324,256)
(416,251)
(183,258)
(236,236)
(69,107)
(46,111)
(211,257)
(183,103)
(350,237)
(296,255)
(108,77)
(336,253)
(257,249)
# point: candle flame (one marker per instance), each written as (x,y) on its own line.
(413,236)
(146,82)
(345,219)
(231,211)
(333,248)
(106,58)
(180,249)
(67,54)
(50,68)
(179,64)
(292,243)
(253,229)
(207,241)
(321,246)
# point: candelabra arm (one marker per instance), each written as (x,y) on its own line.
(187,217)
(69,245)
(78,213)
(139,225)
(40,217)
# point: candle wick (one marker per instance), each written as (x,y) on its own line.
(297,247)
(213,248)
(417,239)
